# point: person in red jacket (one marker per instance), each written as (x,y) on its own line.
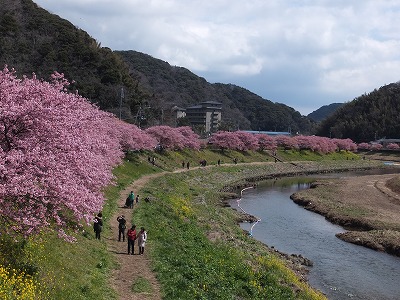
(131,234)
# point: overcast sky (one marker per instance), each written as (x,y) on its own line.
(304,54)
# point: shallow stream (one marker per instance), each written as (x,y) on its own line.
(341,270)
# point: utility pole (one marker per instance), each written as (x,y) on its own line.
(120,103)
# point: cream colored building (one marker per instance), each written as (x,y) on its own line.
(207,114)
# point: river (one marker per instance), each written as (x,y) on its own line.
(341,270)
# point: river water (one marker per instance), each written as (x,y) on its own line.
(341,270)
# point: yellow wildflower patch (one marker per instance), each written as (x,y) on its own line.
(181,206)
(16,286)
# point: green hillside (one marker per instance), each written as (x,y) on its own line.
(241,109)
(33,40)
(368,117)
(324,111)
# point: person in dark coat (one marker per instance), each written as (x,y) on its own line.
(98,225)
(121,227)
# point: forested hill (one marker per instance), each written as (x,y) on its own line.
(176,86)
(368,117)
(32,40)
(324,112)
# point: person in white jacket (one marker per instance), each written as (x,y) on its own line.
(141,238)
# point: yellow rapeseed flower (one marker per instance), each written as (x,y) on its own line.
(16,285)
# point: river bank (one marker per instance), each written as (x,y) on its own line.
(365,205)
(196,247)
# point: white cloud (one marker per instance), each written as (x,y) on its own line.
(301,53)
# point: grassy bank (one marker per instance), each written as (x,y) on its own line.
(196,246)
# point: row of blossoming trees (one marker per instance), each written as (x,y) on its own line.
(58,151)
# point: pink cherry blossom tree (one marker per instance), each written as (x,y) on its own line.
(323,145)
(345,144)
(363,146)
(286,142)
(191,140)
(304,142)
(317,144)
(248,140)
(226,140)
(266,142)
(376,147)
(393,146)
(131,137)
(174,138)
(56,154)
(166,137)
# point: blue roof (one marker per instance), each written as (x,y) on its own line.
(268,132)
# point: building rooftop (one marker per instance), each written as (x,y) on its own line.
(268,132)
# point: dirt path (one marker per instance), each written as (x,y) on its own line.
(133,267)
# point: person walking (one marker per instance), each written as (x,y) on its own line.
(121,227)
(141,237)
(130,200)
(137,199)
(131,239)
(98,225)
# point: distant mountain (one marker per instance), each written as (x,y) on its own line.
(129,83)
(176,86)
(324,111)
(34,41)
(370,116)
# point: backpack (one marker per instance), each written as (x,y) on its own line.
(122,224)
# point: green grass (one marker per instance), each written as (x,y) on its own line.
(304,155)
(189,264)
(197,249)
(142,286)
(72,270)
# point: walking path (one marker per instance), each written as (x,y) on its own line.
(131,268)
